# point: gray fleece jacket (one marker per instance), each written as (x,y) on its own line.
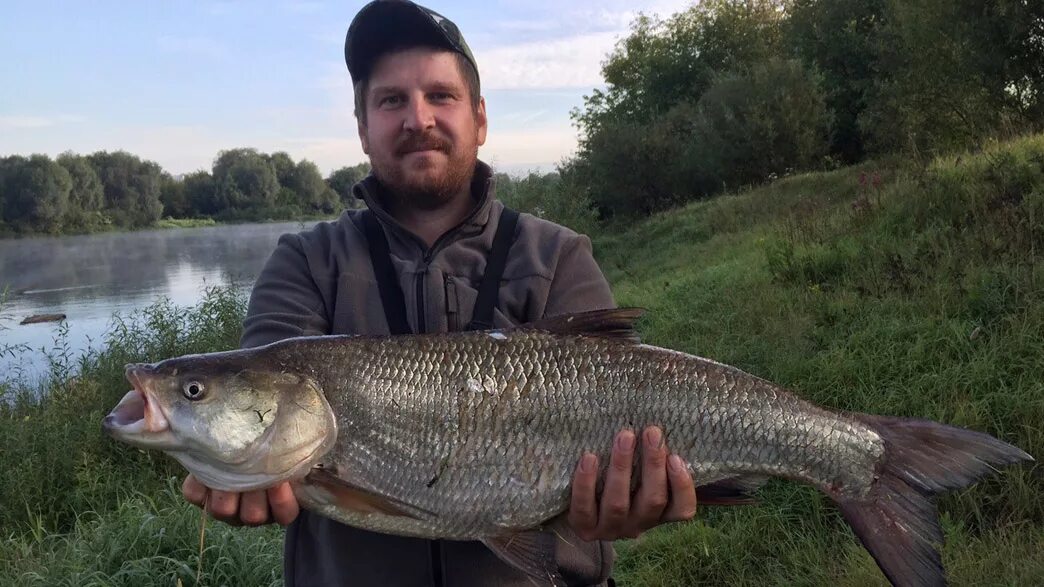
(321,282)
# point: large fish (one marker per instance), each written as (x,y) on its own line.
(475,435)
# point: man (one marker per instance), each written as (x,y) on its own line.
(421,120)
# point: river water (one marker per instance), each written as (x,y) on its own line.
(90,277)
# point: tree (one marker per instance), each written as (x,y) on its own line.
(201,194)
(86,196)
(342,180)
(131,186)
(283,165)
(664,62)
(174,197)
(748,128)
(311,191)
(244,180)
(841,40)
(36,193)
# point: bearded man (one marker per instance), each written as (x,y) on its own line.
(416,261)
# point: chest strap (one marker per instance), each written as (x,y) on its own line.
(392,298)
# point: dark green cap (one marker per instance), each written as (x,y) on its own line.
(385,25)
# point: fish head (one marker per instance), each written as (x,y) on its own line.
(234,425)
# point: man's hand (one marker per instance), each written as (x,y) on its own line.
(665,494)
(252,508)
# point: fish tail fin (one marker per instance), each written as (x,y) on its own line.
(897,521)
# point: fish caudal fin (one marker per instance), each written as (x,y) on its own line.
(898,521)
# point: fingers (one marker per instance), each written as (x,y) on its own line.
(253,507)
(652,497)
(193,491)
(616,499)
(682,505)
(224,506)
(284,504)
(583,505)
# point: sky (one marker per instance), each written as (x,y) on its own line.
(176,82)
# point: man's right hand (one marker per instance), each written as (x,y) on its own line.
(252,508)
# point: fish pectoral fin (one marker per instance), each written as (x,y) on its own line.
(530,551)
(731,491)
(344,494)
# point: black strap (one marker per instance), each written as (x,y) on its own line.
(392,299)
(482,318)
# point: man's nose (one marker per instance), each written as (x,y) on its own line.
(419,115)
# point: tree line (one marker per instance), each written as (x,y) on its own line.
(84,193)
(730,93)
(724,94)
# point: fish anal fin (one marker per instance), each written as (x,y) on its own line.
(530,551)
(344,495)
(616,323)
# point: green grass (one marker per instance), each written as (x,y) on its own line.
(169,222)
(921,297)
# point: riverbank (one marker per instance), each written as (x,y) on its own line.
(168,223)
(919,294)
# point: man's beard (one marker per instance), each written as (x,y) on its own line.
(427,193)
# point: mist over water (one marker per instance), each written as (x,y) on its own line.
(89,277)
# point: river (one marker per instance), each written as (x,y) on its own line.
(90,277)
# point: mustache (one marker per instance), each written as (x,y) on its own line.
(413,141)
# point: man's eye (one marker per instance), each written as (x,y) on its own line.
(389,101)
(441,96)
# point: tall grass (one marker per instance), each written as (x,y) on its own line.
(886,288)
(920,293)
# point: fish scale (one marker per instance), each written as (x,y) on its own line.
(458,387)
(476,435)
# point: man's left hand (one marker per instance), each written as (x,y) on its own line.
(665,494)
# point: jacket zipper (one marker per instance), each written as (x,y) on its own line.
(422,319)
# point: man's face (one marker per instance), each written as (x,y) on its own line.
(421,132)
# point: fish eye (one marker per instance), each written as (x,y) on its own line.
(193,390)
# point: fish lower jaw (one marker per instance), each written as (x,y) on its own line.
(222,479)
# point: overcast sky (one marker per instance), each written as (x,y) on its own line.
(177,81)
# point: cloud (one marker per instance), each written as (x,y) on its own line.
(571,62)
(524,149)
(22,122)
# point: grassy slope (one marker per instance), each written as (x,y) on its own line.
(921,297)
(924,298)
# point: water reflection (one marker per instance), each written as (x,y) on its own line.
(89,277)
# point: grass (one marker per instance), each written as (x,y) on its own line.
(922,295)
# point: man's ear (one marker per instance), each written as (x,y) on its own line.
(480,119)
(362,135)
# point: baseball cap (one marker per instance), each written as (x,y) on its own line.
(384,25)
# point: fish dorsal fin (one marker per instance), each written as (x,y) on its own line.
(616,323)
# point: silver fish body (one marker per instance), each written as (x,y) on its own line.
(484,430)
(475,435)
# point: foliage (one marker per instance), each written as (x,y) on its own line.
(840,39)
(36,193)
(882,76)
(552,196)
(86,195)
(342,180)
(244,180)
(752,127)
(131,187)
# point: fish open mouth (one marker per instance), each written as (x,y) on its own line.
(136,415)
(129,412)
